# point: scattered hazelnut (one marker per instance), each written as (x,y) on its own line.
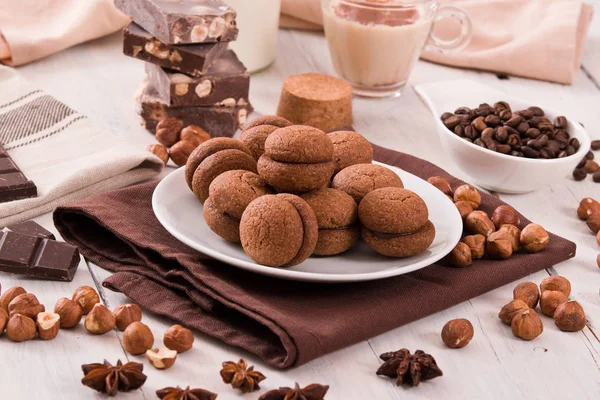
(3,320)
(534,238)
(505,215)
(559,283)
(477,245)
(162,358)
(20,328)
(528,292)
(499,245)
(100,320)
(70,312)
(87,297)
(457,333)
(167,131)
(441,184)
(593,222)
(587,207)
(464,208)
(569,317)
(478,223)
(550,300)
(159,151)
(195,135)
(137,338)
(126,314)
(178,338)
(469,194)
(511,309)
(180,152)
(9,295)
(26,304)
(515,233)
(460,256)
(48,324)
(527,324)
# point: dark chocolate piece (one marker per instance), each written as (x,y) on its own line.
(193,59)
(218,121)
(227,83)
(183,21)
(31,228)
(13,184)
(37,257)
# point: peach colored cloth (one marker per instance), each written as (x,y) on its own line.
(33,29)
(541,39)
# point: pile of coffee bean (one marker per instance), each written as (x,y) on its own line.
(524,133)
(588,166)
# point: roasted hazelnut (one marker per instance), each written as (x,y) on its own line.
(3,320)
(569,317)
(20,328)
(477,245)
(499,245)
(515,233)
(505,215)
(550,300)
(528,292)
(511,309)
(460,256)
(159,151)
(167,131)
(559,283)
(195,135)
(464,208)
(527,324)
(138,338)
(26,304)
(100,320)
(534,238)
(178,338)
(587,207)
(442,184)
(180,152)
(593,222)
(126,314)
(9,295)
(48,325)
(70,312)
(478,223)
(598,238)
(457,333)
(162,358)
(469,194)
(86,297)
(598,260)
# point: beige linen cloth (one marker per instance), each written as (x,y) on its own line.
(64,153)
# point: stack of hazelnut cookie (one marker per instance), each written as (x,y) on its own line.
(286,192)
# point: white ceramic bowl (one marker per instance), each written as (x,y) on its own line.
(492,170)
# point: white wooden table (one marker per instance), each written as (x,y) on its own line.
(96,79)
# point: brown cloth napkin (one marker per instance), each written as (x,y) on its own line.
(286,323)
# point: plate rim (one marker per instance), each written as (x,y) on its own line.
(283,273)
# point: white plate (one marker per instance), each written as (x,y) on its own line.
(180,213)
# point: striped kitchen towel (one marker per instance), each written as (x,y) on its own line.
(64,153)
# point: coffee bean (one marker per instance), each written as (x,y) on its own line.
(471,133)
(503,148)
(553,145)
(501,135)
(547,152)
(492,120)
(534,122)
(596,177)
(516,154)
(527,114)
(479,124)
(581,163)
(562,154)
(505,115)
(570,150)
(560,122)
(445,116)
(514,121)
(513,140)
(575,143)
(530,153)
(522,127)
(483,110)
(589,155)
(595,144)
(538,112)
(459,130)
(463,110)
(479,143)
(533,133)
(452,121)
(501,106)
(579,174)
(468,139)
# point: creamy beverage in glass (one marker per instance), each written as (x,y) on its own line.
(374,44)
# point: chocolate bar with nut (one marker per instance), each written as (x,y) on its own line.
(226,84)
(183,21)
(14,185)
(218,121)
(193,59)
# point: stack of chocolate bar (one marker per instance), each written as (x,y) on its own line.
(191,74)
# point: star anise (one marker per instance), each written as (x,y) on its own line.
(310,392)
(241,377)
(110,379)
(172,393)
(409,368)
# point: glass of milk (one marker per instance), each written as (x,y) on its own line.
(374,44)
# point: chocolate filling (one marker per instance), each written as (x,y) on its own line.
(382,235)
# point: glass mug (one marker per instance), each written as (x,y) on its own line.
(374,44)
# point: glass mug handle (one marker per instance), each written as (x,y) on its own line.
(461,41)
